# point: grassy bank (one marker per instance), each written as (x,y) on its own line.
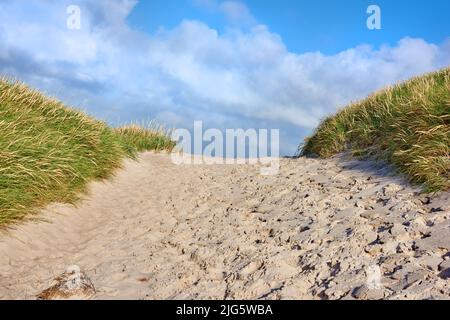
(407,125)
(48,152)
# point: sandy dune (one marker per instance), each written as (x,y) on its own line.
(320,229)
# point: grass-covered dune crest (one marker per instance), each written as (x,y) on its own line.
(48,152)
(406,125)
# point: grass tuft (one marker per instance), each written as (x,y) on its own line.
(48,152)
(148,137)
(407,125)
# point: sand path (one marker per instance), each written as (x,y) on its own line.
(319,229)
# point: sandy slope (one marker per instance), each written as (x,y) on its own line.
(318,229)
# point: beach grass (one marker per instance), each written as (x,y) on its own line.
(406,125)
(49,152)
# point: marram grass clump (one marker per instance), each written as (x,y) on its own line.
(407,125)
(49,152)
(146,137)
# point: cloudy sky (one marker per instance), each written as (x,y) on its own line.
(233,64)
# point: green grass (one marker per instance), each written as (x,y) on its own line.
(407,125)
(48,152)
(143,139)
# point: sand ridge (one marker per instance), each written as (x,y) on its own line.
(317,230)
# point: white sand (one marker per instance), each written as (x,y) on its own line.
(162,231)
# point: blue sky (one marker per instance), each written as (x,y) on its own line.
(329,26)
(230,63)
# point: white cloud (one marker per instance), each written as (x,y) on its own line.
(240,78)
(237,12)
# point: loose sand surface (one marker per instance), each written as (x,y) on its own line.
(320,229)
